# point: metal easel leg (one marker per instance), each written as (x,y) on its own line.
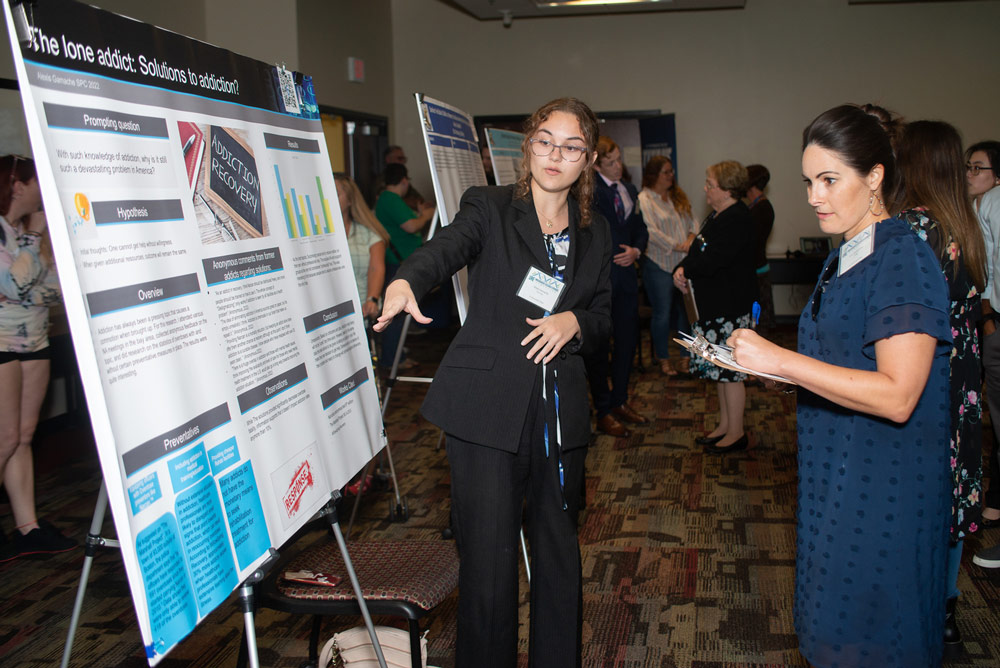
(331,514)
(94,541)
(250,630)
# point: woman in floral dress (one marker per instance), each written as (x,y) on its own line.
(720,268)
(933,198)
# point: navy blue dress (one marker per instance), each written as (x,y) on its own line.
(874,505)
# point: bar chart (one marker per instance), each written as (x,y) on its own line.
(306,214)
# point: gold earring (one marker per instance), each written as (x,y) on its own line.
(871,201)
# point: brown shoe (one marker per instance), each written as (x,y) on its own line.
(612,427)
(629,414)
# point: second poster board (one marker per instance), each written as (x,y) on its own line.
(505,154)
(456,165)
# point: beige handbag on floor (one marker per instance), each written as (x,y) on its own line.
(354,646)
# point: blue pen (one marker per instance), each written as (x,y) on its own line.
(754,315)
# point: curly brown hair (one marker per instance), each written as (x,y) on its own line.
(583,189)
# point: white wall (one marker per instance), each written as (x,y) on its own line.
(330,31)
(315,36)
(743,83)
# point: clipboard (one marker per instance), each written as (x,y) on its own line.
(690,305)
(722,356)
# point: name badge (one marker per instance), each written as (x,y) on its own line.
(857,249)
(540,288)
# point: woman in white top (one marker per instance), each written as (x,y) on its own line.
(28,284)
(667,212)
(367,240)
(982,164)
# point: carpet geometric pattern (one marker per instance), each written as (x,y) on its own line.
(688,558)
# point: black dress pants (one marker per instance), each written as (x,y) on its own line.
(489,489)
(625,334)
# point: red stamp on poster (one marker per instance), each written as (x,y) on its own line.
(301,481)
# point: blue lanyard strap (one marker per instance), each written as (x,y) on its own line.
(550,246)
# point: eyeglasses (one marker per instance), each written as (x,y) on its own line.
(975,169)
(710,186)
(824,283)
(543,147)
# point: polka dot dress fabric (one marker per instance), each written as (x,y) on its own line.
(873,504)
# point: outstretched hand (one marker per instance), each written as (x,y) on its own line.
(550,334)
(398,298)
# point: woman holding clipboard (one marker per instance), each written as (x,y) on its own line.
(719,264)
(873,414)
(511,392)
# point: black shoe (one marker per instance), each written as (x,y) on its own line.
(739,444)
(46,539)
(708,440)
(952,636)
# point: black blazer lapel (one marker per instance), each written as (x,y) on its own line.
(527,226)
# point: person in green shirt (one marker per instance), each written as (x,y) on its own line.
(404,226)
(403,223)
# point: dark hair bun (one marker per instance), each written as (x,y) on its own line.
(891,124)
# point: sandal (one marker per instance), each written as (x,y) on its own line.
(667,369)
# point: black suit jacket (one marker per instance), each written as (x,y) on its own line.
(720,265)
(632,232)
(482,388)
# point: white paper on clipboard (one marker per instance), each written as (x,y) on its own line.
(722,356)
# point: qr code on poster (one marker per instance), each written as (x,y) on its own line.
(286,81)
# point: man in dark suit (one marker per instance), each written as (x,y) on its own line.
(618,202)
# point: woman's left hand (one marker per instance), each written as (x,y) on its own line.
(369,309)
(680,280)
(753,351)
(550,333)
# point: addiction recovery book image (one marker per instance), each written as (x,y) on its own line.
(221,166)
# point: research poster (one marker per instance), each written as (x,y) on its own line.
(207,279)
(505,153)
(456,165)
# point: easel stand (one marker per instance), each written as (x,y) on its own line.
(248,605)
(94,541)
(246,590)
(330,511)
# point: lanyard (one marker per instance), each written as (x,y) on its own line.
(550,241)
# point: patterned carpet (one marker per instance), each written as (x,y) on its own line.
(688,558)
